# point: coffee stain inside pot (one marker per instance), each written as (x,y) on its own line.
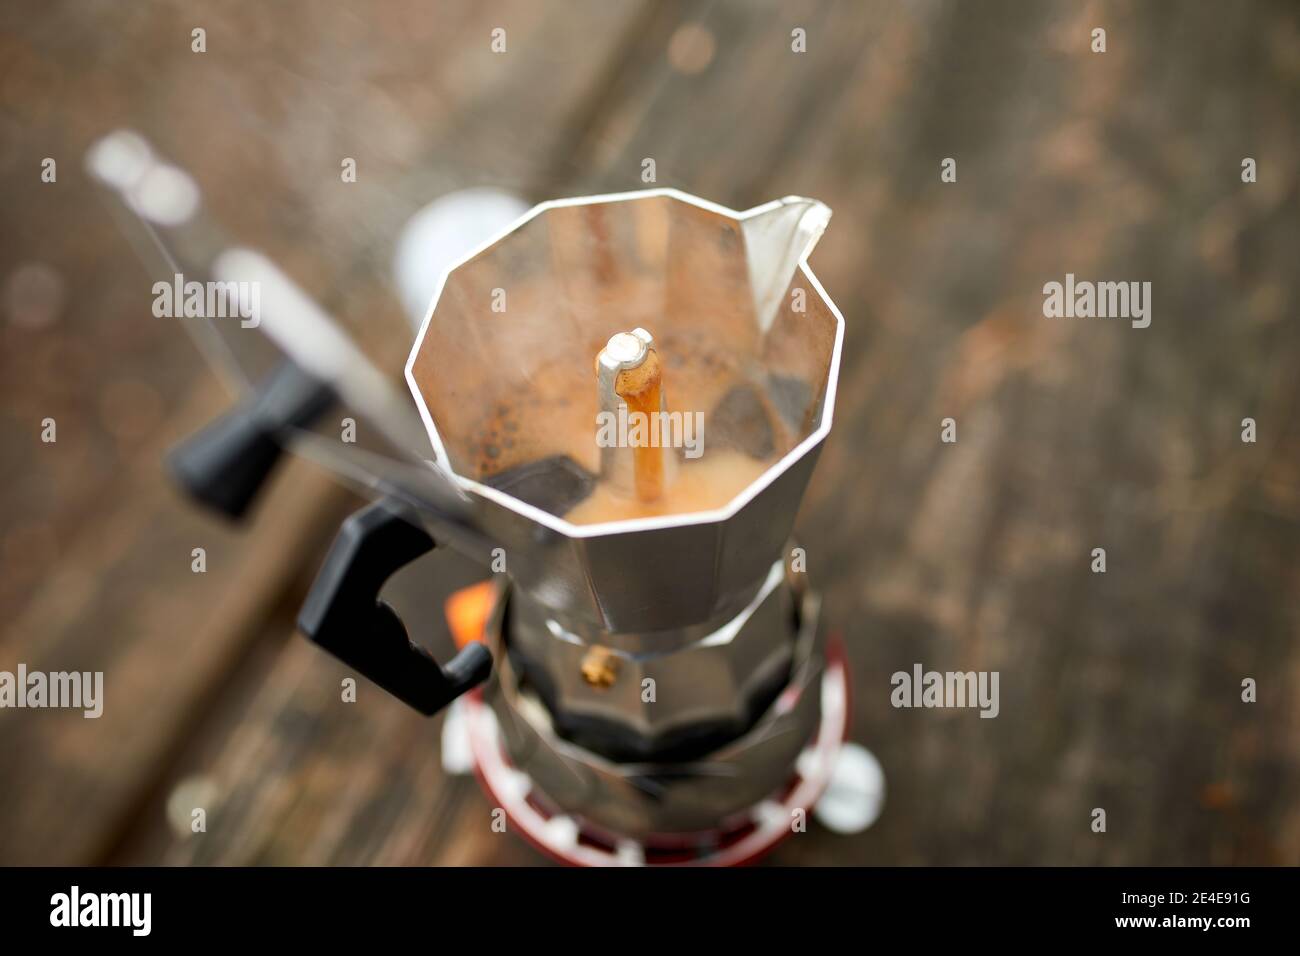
(705,484)
(741,436)
(671,474)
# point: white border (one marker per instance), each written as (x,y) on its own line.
(630,524)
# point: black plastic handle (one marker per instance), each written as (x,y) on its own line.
(344,615)
(225,464)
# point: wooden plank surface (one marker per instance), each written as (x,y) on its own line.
(1119,691)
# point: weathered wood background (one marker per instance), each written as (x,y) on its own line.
(1119,691)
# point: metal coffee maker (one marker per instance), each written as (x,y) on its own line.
(621,400)
(661,688)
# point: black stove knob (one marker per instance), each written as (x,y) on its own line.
(224,465)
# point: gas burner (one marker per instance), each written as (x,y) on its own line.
(745,838)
